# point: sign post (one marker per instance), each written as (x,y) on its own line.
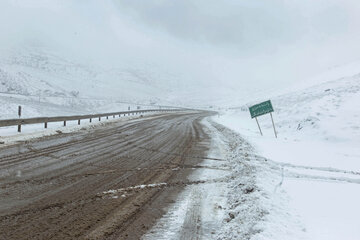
(262,109)
(273,125)
(258,125)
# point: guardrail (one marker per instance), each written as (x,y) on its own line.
(45,120)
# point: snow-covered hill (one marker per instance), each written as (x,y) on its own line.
(327,111)
(310,175)
(29,72)
(31,76)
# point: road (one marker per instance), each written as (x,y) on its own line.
(110,182)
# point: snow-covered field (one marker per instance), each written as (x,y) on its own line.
(307,180)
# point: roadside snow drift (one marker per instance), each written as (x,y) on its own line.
(309,178)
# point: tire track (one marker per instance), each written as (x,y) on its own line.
(57,196)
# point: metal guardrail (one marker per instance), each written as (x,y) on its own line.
(45,120)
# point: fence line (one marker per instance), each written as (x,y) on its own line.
(45,120)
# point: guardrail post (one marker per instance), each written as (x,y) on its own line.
(45,125)
(19,111)
(64,123)
(79,122)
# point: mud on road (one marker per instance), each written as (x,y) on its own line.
(111,182)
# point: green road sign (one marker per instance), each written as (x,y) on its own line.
(261,109)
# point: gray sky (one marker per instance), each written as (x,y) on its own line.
(235,45)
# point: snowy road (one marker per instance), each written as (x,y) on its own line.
(112,182)
(200,209)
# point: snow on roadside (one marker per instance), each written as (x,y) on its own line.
(58,106)
(9,136)
(240,207)
(257,209)
(306,182)
(199,209)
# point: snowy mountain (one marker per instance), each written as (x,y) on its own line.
(35,74)
(34,71)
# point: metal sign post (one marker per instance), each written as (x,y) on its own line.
(272,120)
(258,126)
(262,109)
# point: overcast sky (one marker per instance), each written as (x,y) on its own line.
(236,44)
